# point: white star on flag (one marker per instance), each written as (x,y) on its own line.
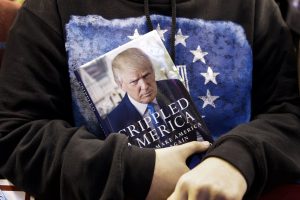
(180,39)
(210,76)
(161,32)
(208,99)
(135,35)
(199,55)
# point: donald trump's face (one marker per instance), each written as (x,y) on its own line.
(139,83)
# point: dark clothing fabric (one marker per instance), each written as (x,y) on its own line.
(45,154)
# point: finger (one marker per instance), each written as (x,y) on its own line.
(180,192)
(176,195)
(190,148)
(199,194)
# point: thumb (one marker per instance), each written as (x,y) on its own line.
(190,148)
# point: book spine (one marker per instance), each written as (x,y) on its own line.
(90,102)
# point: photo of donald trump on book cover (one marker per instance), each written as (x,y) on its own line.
(136,90)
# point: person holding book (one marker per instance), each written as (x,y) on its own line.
(152,111)
(236,57)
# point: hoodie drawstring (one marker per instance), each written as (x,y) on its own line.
(173,25)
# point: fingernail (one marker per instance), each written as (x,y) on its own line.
(206,143)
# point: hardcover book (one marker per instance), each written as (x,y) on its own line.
(136,90)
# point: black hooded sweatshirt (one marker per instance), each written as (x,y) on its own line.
(51,148)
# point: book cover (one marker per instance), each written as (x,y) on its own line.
(136,90)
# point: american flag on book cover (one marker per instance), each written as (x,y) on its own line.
(213,57)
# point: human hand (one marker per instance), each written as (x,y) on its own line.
(212,179)
(170,164)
